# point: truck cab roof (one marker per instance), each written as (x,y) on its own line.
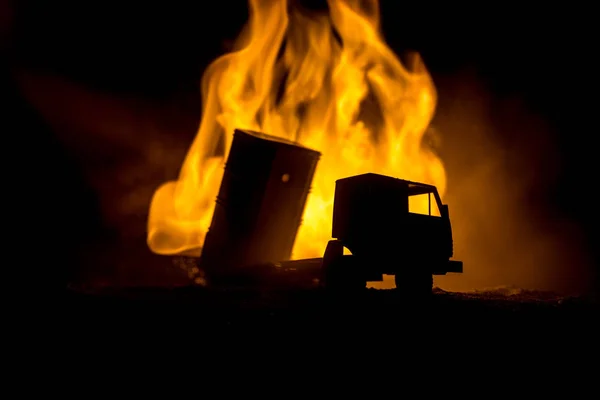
(413,188)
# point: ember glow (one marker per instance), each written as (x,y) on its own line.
(327,81)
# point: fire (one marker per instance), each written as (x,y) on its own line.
(327,81)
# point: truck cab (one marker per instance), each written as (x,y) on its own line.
(391,227)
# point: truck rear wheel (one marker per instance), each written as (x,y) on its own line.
(414,283)
(337,275)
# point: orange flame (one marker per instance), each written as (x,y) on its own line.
(345,94)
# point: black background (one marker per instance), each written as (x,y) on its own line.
(541,57)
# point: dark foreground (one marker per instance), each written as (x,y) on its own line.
(193,331)
(485,330)
(384,312)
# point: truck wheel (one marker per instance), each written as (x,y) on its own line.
(335,275)
(414,283)
(331,260)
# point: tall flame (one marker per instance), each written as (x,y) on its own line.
(327,81)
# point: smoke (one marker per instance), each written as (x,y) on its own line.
(123,148)
(503,165)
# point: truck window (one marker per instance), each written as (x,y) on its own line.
(420,204)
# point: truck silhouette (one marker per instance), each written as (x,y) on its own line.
(374,220)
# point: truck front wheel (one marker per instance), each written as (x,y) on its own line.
(337,275)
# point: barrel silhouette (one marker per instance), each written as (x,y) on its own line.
(260,203)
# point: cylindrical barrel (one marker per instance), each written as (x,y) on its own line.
(260,202)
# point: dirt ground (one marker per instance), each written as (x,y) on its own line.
(215,310)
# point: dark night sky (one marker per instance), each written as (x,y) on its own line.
(157,50)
